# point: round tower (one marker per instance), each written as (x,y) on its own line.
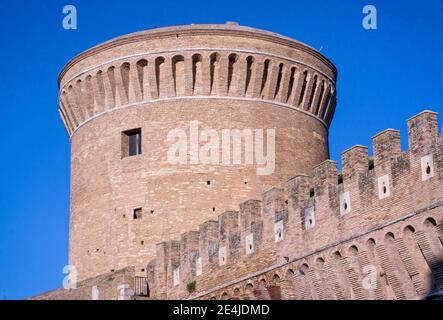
(172,126)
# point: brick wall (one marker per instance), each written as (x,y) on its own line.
(357,224)
(304,232)
(224,77)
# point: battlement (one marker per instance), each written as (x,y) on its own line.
(309,213)
(205,61)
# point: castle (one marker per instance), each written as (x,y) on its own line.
(142,227)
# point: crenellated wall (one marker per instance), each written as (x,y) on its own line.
(322,235)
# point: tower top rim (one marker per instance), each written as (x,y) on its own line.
(229,29)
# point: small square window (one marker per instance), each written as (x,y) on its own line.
(132,143)
(138,213)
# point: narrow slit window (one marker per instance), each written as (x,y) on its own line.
(312,193)
(371,165)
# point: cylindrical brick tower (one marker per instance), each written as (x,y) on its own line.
(121,100)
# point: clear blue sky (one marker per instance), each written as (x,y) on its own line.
(385,76)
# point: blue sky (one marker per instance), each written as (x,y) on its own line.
(385,76)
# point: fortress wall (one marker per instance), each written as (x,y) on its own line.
(357,223)
(404,257)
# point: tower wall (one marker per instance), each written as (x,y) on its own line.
(224,77)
